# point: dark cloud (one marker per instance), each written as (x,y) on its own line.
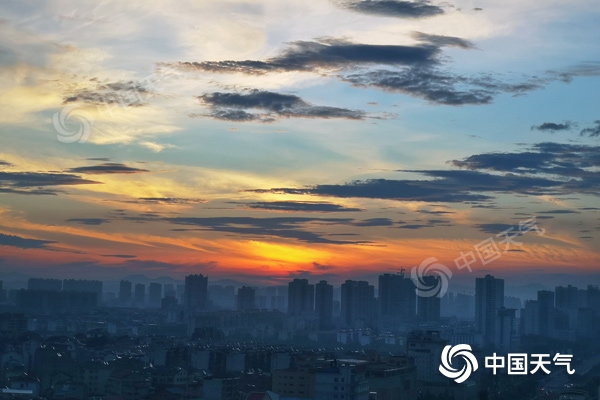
(301,206)
(573,163)
(545,169)
(496,229)
(414,70)
(23,243)
(287,227)
(108,168)
(5,164)
(593,131)
(325,54)
(375,222)
(442,41)
(126,256)
(233,106)
(34,183)
(167,201)
(89,221)
(393,8)
(407,190)
(103,159)
(438,86)
(553,127)
(127,94)
(559,212)
(435,212)
(414,226)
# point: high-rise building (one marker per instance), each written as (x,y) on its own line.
(567,298)
(324,304)
(154,294)
(506,335)
(139,294)
(301,298)
(246,298)
(428,308)
(545,301)
(397,297)
(125,289)
(54,285)
(489,297)
(170,290)
(196,292)
(593,299)
(529,324)
(358,304)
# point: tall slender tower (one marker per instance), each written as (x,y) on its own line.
(489,297)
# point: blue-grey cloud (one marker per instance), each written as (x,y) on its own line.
(497,228)
(327,54)
(593,131)
(269,106)
(35,183)
(167,201)
(547,169)
(89,221)
(108,168)
(300,206)
(23,243)
(553,126)
(126,94)
(394,8)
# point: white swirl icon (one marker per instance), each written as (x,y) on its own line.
(430,285)
(61,118)
(460,350)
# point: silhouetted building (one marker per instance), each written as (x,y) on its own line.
(505,338)
(246,298)
(170,290)
(358,304)
(593,299)
(301,298)
(529,318)
(140,294)
(545,304)
(324,304)
(489,297)
(125,288)
(567,298)
(428,308)
(397,297)
(196,292)
(44,284)
(154,294)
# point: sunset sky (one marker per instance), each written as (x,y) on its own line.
(264,140)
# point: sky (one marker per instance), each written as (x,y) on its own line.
(330,139)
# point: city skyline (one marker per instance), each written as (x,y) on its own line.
(262,142)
